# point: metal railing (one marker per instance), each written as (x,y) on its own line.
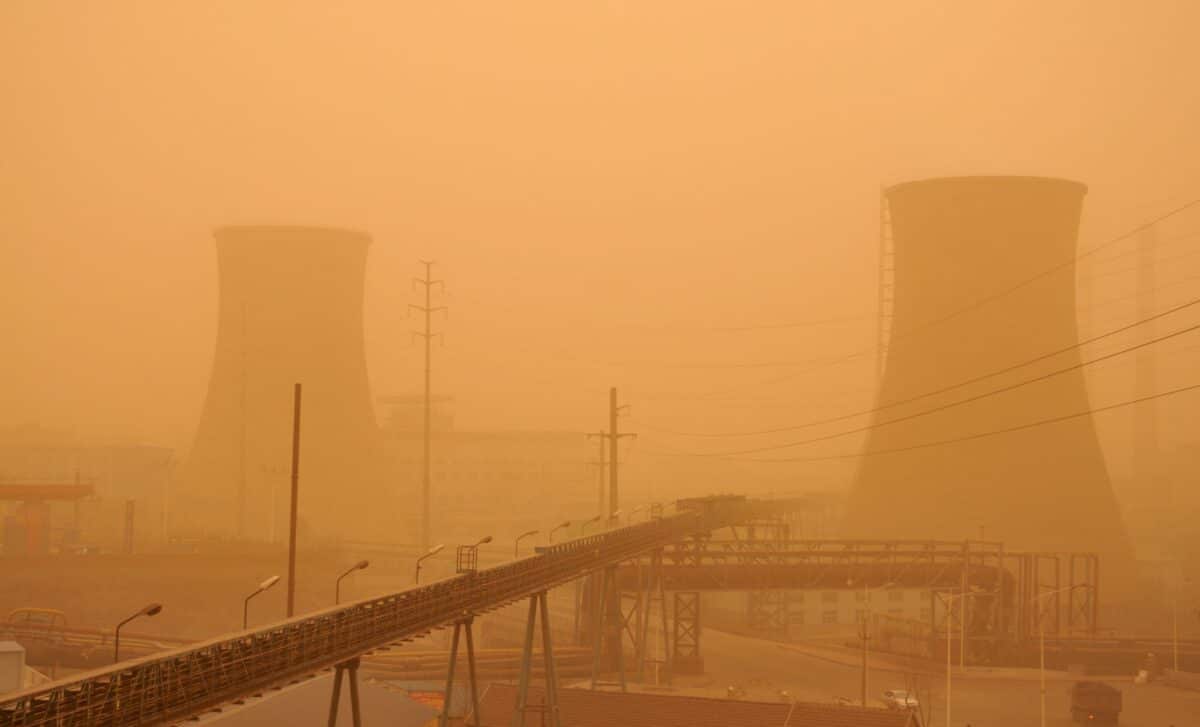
(190,680)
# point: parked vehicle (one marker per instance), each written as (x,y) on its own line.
(900,699)
(1095,703)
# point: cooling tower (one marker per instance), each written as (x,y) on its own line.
(290,311)
(970,298)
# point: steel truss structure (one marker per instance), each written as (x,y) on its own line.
(1003,587)
(187,681)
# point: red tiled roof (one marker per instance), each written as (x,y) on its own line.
(586,708)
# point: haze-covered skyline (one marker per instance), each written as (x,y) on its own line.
(599,185)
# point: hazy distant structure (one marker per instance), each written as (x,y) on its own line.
(291,310)
(970,298)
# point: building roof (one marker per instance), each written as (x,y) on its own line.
(586,708)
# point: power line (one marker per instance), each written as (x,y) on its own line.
(1166,241)
(822,363)
(955,440)
(944,389)
(998,432)
(960,402)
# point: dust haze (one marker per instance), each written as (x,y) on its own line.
(697,204)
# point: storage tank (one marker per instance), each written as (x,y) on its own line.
(290,311)
(971,298)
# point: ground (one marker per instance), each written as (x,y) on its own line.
(995,698)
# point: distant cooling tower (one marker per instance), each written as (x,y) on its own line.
(968,301)
(291,301)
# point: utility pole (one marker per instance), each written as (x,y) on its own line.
(614,437)
(598,463)
(428,334)
(291,594)
(241,491)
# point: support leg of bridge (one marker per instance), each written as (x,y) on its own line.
(597,638)
(444,717)
(607,630)
(653,588)
(355,715)
(548,655)
(687,659)
(550,707)
(350,670)
(471,671)
(460,626)
(615,624)
(668,645)
(337,693)
(518,719)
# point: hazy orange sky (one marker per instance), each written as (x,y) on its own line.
(601,182)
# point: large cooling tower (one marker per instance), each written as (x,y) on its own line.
(970,298)
(291,301)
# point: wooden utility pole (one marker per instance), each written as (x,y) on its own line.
(291,595)
(427,334)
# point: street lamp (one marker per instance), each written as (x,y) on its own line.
(1175,622)
(486,539)
(1042,641)
(337,587)
(517,544)
(564,524)
(432,552)
(152,609)
(246,604)
(614,519)
(583,528)
(866,628)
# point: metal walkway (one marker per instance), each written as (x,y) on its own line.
(176,684)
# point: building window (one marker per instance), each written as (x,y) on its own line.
(829,617)
(926,614)
(797,597)
(895,612)
(829,597)
(860,596)
(895,595)
(796,617)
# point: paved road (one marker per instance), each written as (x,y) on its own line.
(763,668)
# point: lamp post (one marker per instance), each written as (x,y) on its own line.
(866,628)
(560,526)
(152,609)
(337,587)
(1179,582)
(483,541)
(517,544)
(583,528)
(246,603)
(1042,642)
(432,552)
(614,519)
(949,600)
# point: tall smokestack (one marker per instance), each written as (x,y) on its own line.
(958,241)
(291,301)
